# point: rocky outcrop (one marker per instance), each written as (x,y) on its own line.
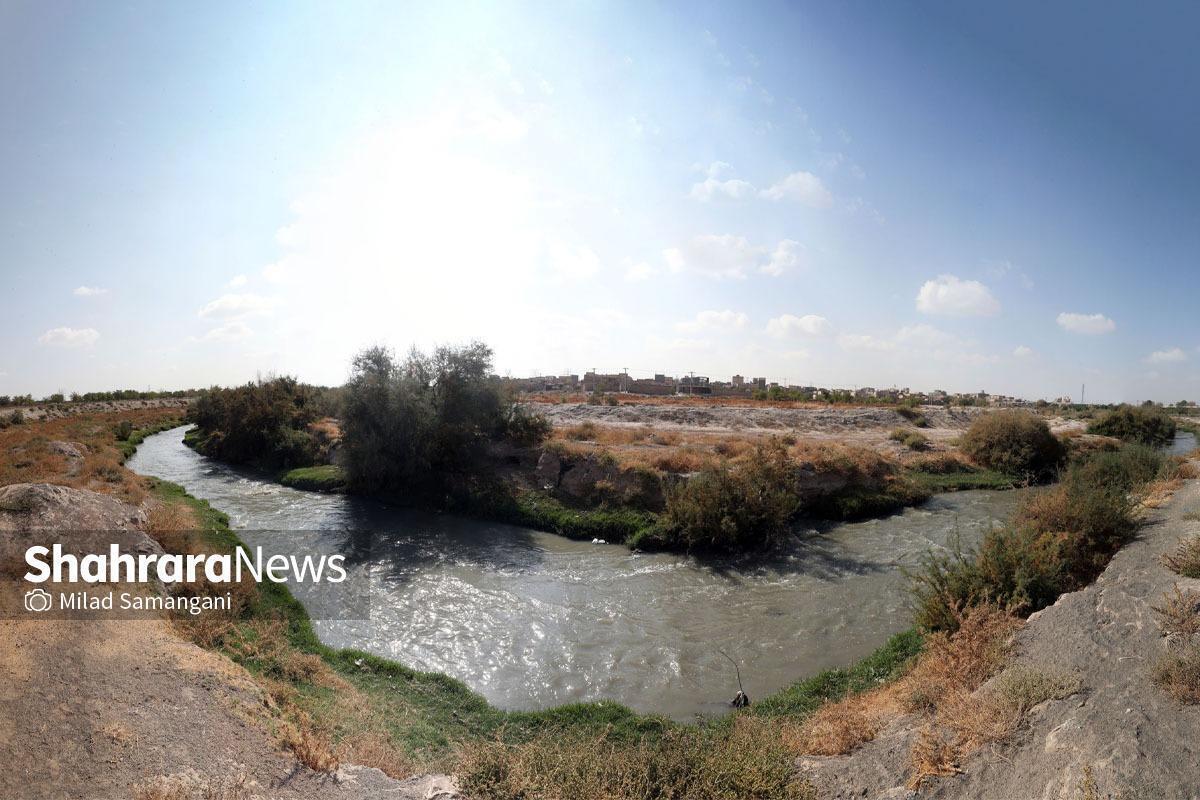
(1132,738)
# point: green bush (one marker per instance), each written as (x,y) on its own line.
(1147,425)
(262,423)
(122,430)
(1058,540)
(910,439)
(731,508)
(1013,442)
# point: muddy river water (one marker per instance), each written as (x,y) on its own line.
(530,619)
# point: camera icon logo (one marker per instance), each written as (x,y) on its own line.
(38,600)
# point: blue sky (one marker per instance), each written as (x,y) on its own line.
(934,195)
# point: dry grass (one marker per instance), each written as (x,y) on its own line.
(310,746)
(1179,614)
(376,750)
(26,455)
(1178,673)
(193,787)
(951,666)
(1185,560)
(748,761)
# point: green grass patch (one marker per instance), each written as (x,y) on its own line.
(888,663)
(543,512)
(959,481)
(325,478)
(129,438)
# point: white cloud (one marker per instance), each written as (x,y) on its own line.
(233,306)
(803,187)
(714,320)
(785,257)
(1021,351)
(69,337)
(89,291)
(236,281)
(229,332)
(947,295)
(789,325)
(1090,324)
(1172,356)
(713,185)
(710,187)
(851,341)
(572,263)
(729,256)
(639,271)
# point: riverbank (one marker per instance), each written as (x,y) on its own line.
(329,706)
(626,485)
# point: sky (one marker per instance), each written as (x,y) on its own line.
(996,197)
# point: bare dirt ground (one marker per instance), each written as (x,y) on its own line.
(104,708)
(868,426)
(1136,741)
(59,410)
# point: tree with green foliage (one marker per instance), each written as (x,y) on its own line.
(420,426)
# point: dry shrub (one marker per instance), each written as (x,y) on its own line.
(1179,614)
(1023,687)
(838,728)
(682,461)
(310,746)
(950,666)
(941,464)
(932,755)
(193,787)
(375,750)
(1185,560)
(584,431)
(962,660)
(1177,673)
(174,526)
(747,760)
(666,438)
(733,448)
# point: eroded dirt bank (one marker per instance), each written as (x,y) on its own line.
(108,708)
(1127,734)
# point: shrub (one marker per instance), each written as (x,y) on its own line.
(913,415)
(1178,673)
(262,423)
(910,439)
(1058,540)
(732,508)
(1014,442)
(1147,425)
(740,760)
(1185,560)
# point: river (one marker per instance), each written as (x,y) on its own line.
(531,619)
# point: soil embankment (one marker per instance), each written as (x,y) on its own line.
(107,708)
